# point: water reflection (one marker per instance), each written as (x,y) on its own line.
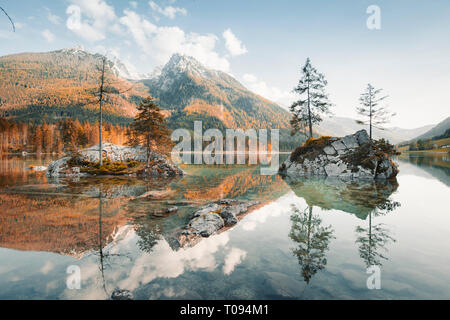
(365,199)
(103,226)
(437,165)
(312,239)
(357,197)
(373,239)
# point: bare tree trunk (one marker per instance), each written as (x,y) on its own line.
(148,150)
(309,114)
(370,112)
(102,82)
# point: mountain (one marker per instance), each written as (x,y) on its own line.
(340,126)
(437,130)
(128,72)
(54,85)
(188,91)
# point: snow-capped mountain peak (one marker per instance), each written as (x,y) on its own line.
(182,63)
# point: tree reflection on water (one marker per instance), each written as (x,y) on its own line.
(312,239)
(372,240)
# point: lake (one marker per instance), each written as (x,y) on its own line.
(309,238)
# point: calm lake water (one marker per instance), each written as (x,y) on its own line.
(308,239)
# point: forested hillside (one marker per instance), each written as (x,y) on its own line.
(53,86)
(190,92)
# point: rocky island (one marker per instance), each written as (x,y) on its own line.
(354,156)
(119,160)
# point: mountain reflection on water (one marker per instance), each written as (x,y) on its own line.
(311,238)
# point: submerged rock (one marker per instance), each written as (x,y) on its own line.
(212,218)
(120,294)
(353,157)
(164,212)
(160,166)
(157,194)
(206,224)
(38,168)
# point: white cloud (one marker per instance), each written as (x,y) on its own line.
(169,12)
(166,263)
(134,4)
(233,44)
(48,35)
(19,25)
(162,42)
(234,258)
(53,18)
(284,98)
(48,266)
(91,19)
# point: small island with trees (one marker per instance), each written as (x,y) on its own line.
(148,144)
(356,156)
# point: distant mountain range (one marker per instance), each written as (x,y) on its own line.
(51,86)
(339,126)
(437,130)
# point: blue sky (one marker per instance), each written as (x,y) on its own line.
(262,43)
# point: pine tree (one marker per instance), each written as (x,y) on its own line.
(46,137)
(313,102)
(69,134)
(375,116)
(149,126)
(37,139)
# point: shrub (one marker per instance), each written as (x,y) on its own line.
(310,149)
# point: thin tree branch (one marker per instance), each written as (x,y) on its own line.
(12,22)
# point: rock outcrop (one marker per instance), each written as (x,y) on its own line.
(119,294)
(160,166)
(214,216)
(353,157)
(210,219)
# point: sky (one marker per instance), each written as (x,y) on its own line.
(263,44)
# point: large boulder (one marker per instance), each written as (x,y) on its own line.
(353,157)
(160,166)
(210,219)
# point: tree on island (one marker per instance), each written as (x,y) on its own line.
(369,108)
(105,88)
(313,102)
(149,127)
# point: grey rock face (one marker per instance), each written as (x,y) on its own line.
(332,161)
(229,217)
(119,294)
(207,209)
(339,145)
(329,150)
(335,169)
(115,153)
(351,142)
(214,216)
(362,137)
(206,224)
